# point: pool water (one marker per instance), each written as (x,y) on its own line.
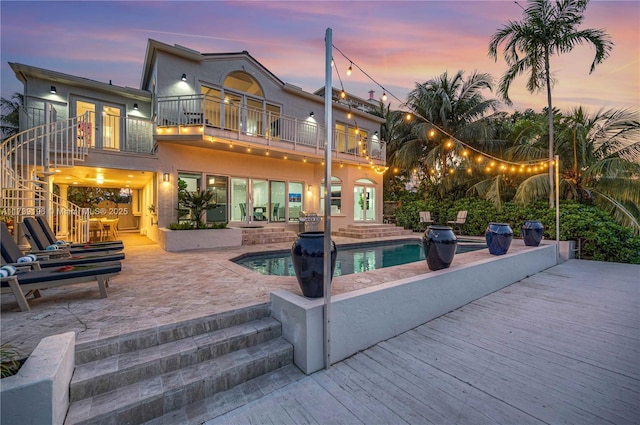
(352,258)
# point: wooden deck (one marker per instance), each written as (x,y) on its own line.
(562,346)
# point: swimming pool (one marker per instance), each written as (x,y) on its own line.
(351,258)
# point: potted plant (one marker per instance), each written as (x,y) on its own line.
(196,203)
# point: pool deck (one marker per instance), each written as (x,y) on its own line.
(157,288)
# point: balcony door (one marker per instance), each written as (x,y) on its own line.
(107,130)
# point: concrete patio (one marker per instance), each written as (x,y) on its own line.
(157,288)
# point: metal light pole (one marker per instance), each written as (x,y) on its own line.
(557,165)
(328,92)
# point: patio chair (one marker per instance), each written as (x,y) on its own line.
(38,241)
(54,277)
(12,254)
(425,219)
(51,237)
(459,221)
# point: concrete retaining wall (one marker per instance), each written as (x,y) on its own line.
(39,393)
(183,240)
(362,318)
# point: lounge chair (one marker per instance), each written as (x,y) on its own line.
(39,241)
(12,254)
(425,219)
(459,221)
(51,237)
(35,280)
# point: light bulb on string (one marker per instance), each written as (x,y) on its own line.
(349,70)
(349,114)
(384,96)
(343,94)
(408,117)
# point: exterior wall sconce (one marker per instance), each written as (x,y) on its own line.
(184,77)
(135,106)
(165,177)
(53,90)
(309,188)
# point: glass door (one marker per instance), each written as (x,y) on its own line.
(278,204)
(364,200)
(217,185)
(106,129)
(239,199)
(260,200)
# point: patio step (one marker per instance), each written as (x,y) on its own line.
(267,235)
(144,375)
(368,231)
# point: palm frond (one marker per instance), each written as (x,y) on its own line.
(534,188)
(617,210)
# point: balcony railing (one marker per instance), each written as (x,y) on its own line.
(210,112)
(108,132)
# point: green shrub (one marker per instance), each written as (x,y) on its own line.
(9,360)
(598,235)
(190,226)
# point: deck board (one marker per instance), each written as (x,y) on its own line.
(561,346)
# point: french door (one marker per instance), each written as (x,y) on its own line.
(107,130)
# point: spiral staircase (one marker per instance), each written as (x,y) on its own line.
(29,159)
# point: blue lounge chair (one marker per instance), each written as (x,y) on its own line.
(39,241)
(12,254)
(22,281)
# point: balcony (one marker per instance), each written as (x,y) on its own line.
(200,117)
(105,132)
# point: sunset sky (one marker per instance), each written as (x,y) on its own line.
(397,43)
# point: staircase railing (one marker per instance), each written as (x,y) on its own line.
(28,159)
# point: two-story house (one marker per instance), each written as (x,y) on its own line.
(217,122)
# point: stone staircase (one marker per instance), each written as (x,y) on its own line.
(156,374)
(266,235)
(367,231)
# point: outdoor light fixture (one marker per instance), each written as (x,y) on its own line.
(184,77)
(309,188)
(53,90)
(312,114)
(384,96)
(135,106)
(165,177)
(99,179)
(349,70)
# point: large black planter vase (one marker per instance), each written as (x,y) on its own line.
(499,237)
(532,232)
(307,254)
(439,243)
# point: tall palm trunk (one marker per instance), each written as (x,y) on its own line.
(551,157)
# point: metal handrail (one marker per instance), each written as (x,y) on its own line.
(209,111)
(39,151)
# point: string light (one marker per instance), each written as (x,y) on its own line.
(530,164)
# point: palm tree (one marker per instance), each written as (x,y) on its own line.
(600,162)
(452,108)
(10,115)
(547,28)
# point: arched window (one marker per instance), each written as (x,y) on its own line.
(336,196)
(241,81)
